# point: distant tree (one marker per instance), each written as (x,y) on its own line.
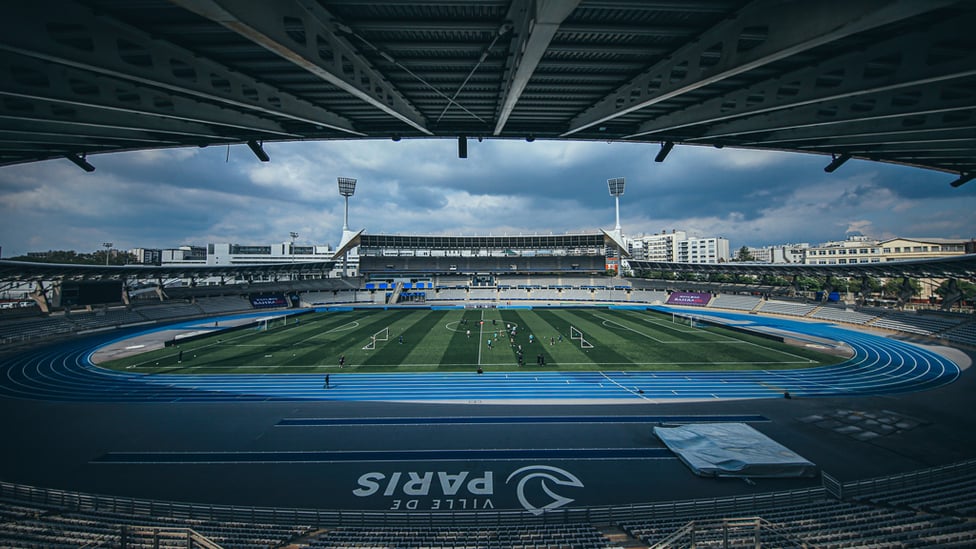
(774,280)
(893,286)
(968,289)
(744,254)
(71,257)
(808,283)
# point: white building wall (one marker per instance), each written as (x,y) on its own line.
(704,250)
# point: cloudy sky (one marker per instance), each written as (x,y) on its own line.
(162,199)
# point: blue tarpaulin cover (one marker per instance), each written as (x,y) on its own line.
(733,450)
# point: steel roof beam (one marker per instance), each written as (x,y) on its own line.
(789,28)
(60,116)
(304,33)
(35,130)
(894,128)
(921,100)
(964,136)
(31,79)
(536,22)
(72,35)
(907,60)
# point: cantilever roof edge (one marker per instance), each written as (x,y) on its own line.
(943,267)
(31,271)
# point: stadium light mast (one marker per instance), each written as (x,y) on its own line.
(108,248)
(347,188)
(616,186)
(616,189)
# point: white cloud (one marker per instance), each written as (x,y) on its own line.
(171,197)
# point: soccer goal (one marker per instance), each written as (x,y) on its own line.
(575,333)
(265,324)
(382,335)
(693,321)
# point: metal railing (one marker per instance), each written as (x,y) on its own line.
(75,501)
(751,532)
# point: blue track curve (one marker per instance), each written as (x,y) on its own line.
(64,372)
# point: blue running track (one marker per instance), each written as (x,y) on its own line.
(64,372)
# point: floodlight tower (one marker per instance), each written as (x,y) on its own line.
(616,189)
(347,188)
(108,248)
(616,186)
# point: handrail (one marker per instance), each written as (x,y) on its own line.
(690,533)
(331,518)
(731,505)
(872,486)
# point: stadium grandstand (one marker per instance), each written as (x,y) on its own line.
(126,459)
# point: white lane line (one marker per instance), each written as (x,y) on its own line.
(631,391)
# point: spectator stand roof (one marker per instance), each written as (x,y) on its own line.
(25,271)
(892,81)
(961,266)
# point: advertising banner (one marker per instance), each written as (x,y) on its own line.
(697,299)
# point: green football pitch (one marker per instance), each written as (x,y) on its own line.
(419,340)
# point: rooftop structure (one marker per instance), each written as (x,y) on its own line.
(883,81)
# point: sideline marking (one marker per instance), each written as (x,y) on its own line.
(474,420)
(493,454)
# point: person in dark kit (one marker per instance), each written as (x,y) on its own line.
(480,371)
(179,359)
(342,361)
(327,381)
(542,360)
(538,359)
(401,340)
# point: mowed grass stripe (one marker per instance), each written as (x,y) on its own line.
(330,338)
(547,326)
(422,344)
(610,346)
(436,341)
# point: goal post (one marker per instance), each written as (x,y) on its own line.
(575,333)
(382,335)
(691,320)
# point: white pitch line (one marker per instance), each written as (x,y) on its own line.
(611,380)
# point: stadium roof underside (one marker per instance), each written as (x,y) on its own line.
(887,80)
(961,267)
(24,271)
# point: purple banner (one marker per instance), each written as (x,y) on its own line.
(697,299)
(268,301)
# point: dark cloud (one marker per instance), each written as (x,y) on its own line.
(170,197)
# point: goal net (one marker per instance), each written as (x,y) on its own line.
(575,333)
(693,321)
(382,335)
(266,324)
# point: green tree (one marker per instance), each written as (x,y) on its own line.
(893,286)
(968,289)
(745,255)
